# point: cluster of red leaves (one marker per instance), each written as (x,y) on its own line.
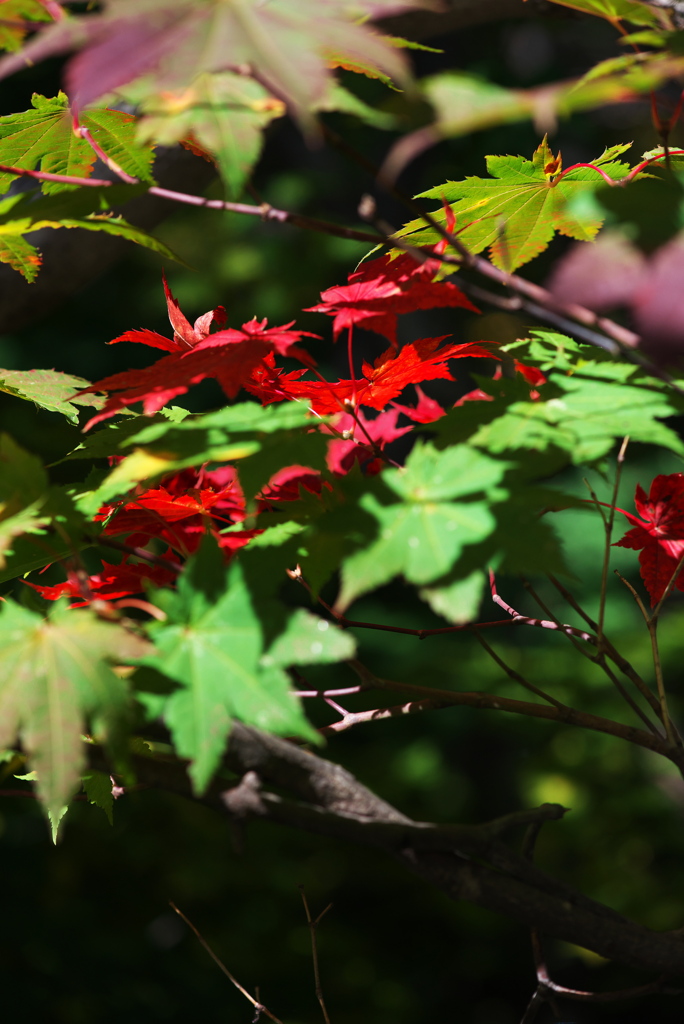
(659,534)
(177,513)
(383,289)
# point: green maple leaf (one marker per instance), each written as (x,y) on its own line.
(212,644)
(21,214)
(309,640)
(222,114)
(614,10)
(421,536)
(517,211)
(55,673)
(98,789)
(44,138)
(583,416)
(23,483)
(49,389)
(171,42)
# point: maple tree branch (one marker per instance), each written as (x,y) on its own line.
(466,862)
(267,213)
(672,734)
(610,650)
(668,589)
(538,301)
(493,702)
(545,309)
(351,718)
(592,639)
(599,659)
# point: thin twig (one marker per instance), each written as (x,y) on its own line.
(267,213)
(609,522)
(543,623)
(64,179)
(515,676)
(672,734)
(344,691)
(313,925)
(652,626)
(255,1003)
(552,616)
(412,707)
(532,1008)
(610,650)
(598,659)
(668,589)
(548,986)
(488,701)
(464,627)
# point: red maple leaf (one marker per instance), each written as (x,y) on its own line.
(286,483)
(426,411)
(531,374)
(384,380)
(270,383)
(179,511)
(659,534)
(185,335)
(113,581)
(230,357)
(384,288)
(364,438)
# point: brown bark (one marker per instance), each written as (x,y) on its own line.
(466,862)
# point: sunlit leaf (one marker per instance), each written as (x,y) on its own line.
(48,389)
(54,674)
(422,536)
(212,644)
(517,211)
(43,138)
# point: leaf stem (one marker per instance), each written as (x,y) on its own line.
(64,179)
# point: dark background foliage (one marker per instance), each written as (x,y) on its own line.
(87,932)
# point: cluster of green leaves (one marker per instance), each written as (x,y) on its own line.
(469,498)
(217,99)
(476,491)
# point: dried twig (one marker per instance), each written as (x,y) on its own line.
(258,1006)
(313,925)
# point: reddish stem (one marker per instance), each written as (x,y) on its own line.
(84,133)
(543,623)
(592,167)
(65,179)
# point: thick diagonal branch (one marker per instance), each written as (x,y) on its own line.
(468,863)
